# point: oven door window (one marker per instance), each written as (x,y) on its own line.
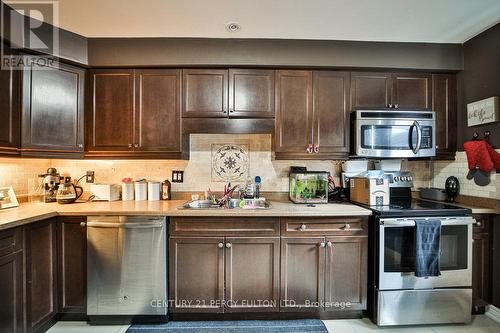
(399,248)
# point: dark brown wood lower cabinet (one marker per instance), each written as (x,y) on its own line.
(302,273)
(481,263)
(252,274)
(346,273)
(197,274)
(41,275)
(72,264)
(11,293)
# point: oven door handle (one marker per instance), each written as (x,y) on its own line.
(390,223)
(416,125)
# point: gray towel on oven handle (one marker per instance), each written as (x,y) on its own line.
(427,247)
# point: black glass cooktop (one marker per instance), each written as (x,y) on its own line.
(419,208)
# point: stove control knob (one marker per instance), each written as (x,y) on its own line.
(408,178)
(396,179)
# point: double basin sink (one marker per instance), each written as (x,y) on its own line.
(246,204)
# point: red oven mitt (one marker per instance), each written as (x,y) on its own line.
(495,157)
(478,155)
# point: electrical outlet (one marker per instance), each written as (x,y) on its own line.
(177,176)
(89,177)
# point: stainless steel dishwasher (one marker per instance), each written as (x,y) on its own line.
(126,265)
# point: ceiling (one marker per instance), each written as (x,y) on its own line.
(439,21)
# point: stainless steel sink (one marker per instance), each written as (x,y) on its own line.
(250,204)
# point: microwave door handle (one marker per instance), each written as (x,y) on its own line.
(419,137)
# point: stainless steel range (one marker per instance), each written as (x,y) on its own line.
(398,296)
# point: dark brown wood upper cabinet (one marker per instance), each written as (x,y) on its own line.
(251,93)
(197,274)
(135,113)
(302,273)
(294,107)
(444,104)
(311,111)
(370,90)
(52,116)
(111,110)
(346,272)
(158,110)
(252,274)
(9,111)
(412,91)
(72,265)
(406,91)
(41,275)
(331,112)
(205,93)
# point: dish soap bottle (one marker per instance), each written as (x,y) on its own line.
(166,190)
(249,189)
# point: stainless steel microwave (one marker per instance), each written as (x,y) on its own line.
(396,134)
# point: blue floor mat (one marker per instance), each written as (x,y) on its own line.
(234,326)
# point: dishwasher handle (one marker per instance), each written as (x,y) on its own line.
(133,225)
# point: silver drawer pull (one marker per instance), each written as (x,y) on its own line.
(329,244)
(303,227)
(220,245)
(228,245)
(478,223)
(322,244)
(346,226)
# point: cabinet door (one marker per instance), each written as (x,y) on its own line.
(111,123)
(41,274)
(346,273)
(412,91)
(481,263)
(205,92)
(252,274)
(302,273)
(52,117)
(158,106)
(370,90)
(9,111)
(330,112)
(72,264)
(293,112)
(444,104)
(11,293)
(251,93)
(197,274)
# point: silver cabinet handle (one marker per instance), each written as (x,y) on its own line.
(80,145)
(347,226)
(303,227)
(136,145)
(228,245)
(329,244)
(322,244)
(220,245)
(310,149)
(478,223)
(315,149)
(83,224)
(130,145)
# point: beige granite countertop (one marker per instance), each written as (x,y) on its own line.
(30,212)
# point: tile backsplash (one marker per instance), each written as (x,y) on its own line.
(459,169)
(21,173)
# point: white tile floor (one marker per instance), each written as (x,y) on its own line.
(480,324)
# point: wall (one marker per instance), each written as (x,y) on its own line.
(274,173)
(271,52)
(480,79)
(459,169)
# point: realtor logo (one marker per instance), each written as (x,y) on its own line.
(29,24)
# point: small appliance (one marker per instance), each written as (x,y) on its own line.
(51,181)
(68,192)
(105,192)
(308,187)
(393,134)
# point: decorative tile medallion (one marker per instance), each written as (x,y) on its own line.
(230,162)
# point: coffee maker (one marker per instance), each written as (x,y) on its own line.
(51,181)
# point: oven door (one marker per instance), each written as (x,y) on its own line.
(394,137)
(397,254)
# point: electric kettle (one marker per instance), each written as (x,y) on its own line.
(67,192)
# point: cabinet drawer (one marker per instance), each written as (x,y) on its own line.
(11,241)
(348,226)
(216,226)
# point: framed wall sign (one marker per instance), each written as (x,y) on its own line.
(7,198)
(482,112)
